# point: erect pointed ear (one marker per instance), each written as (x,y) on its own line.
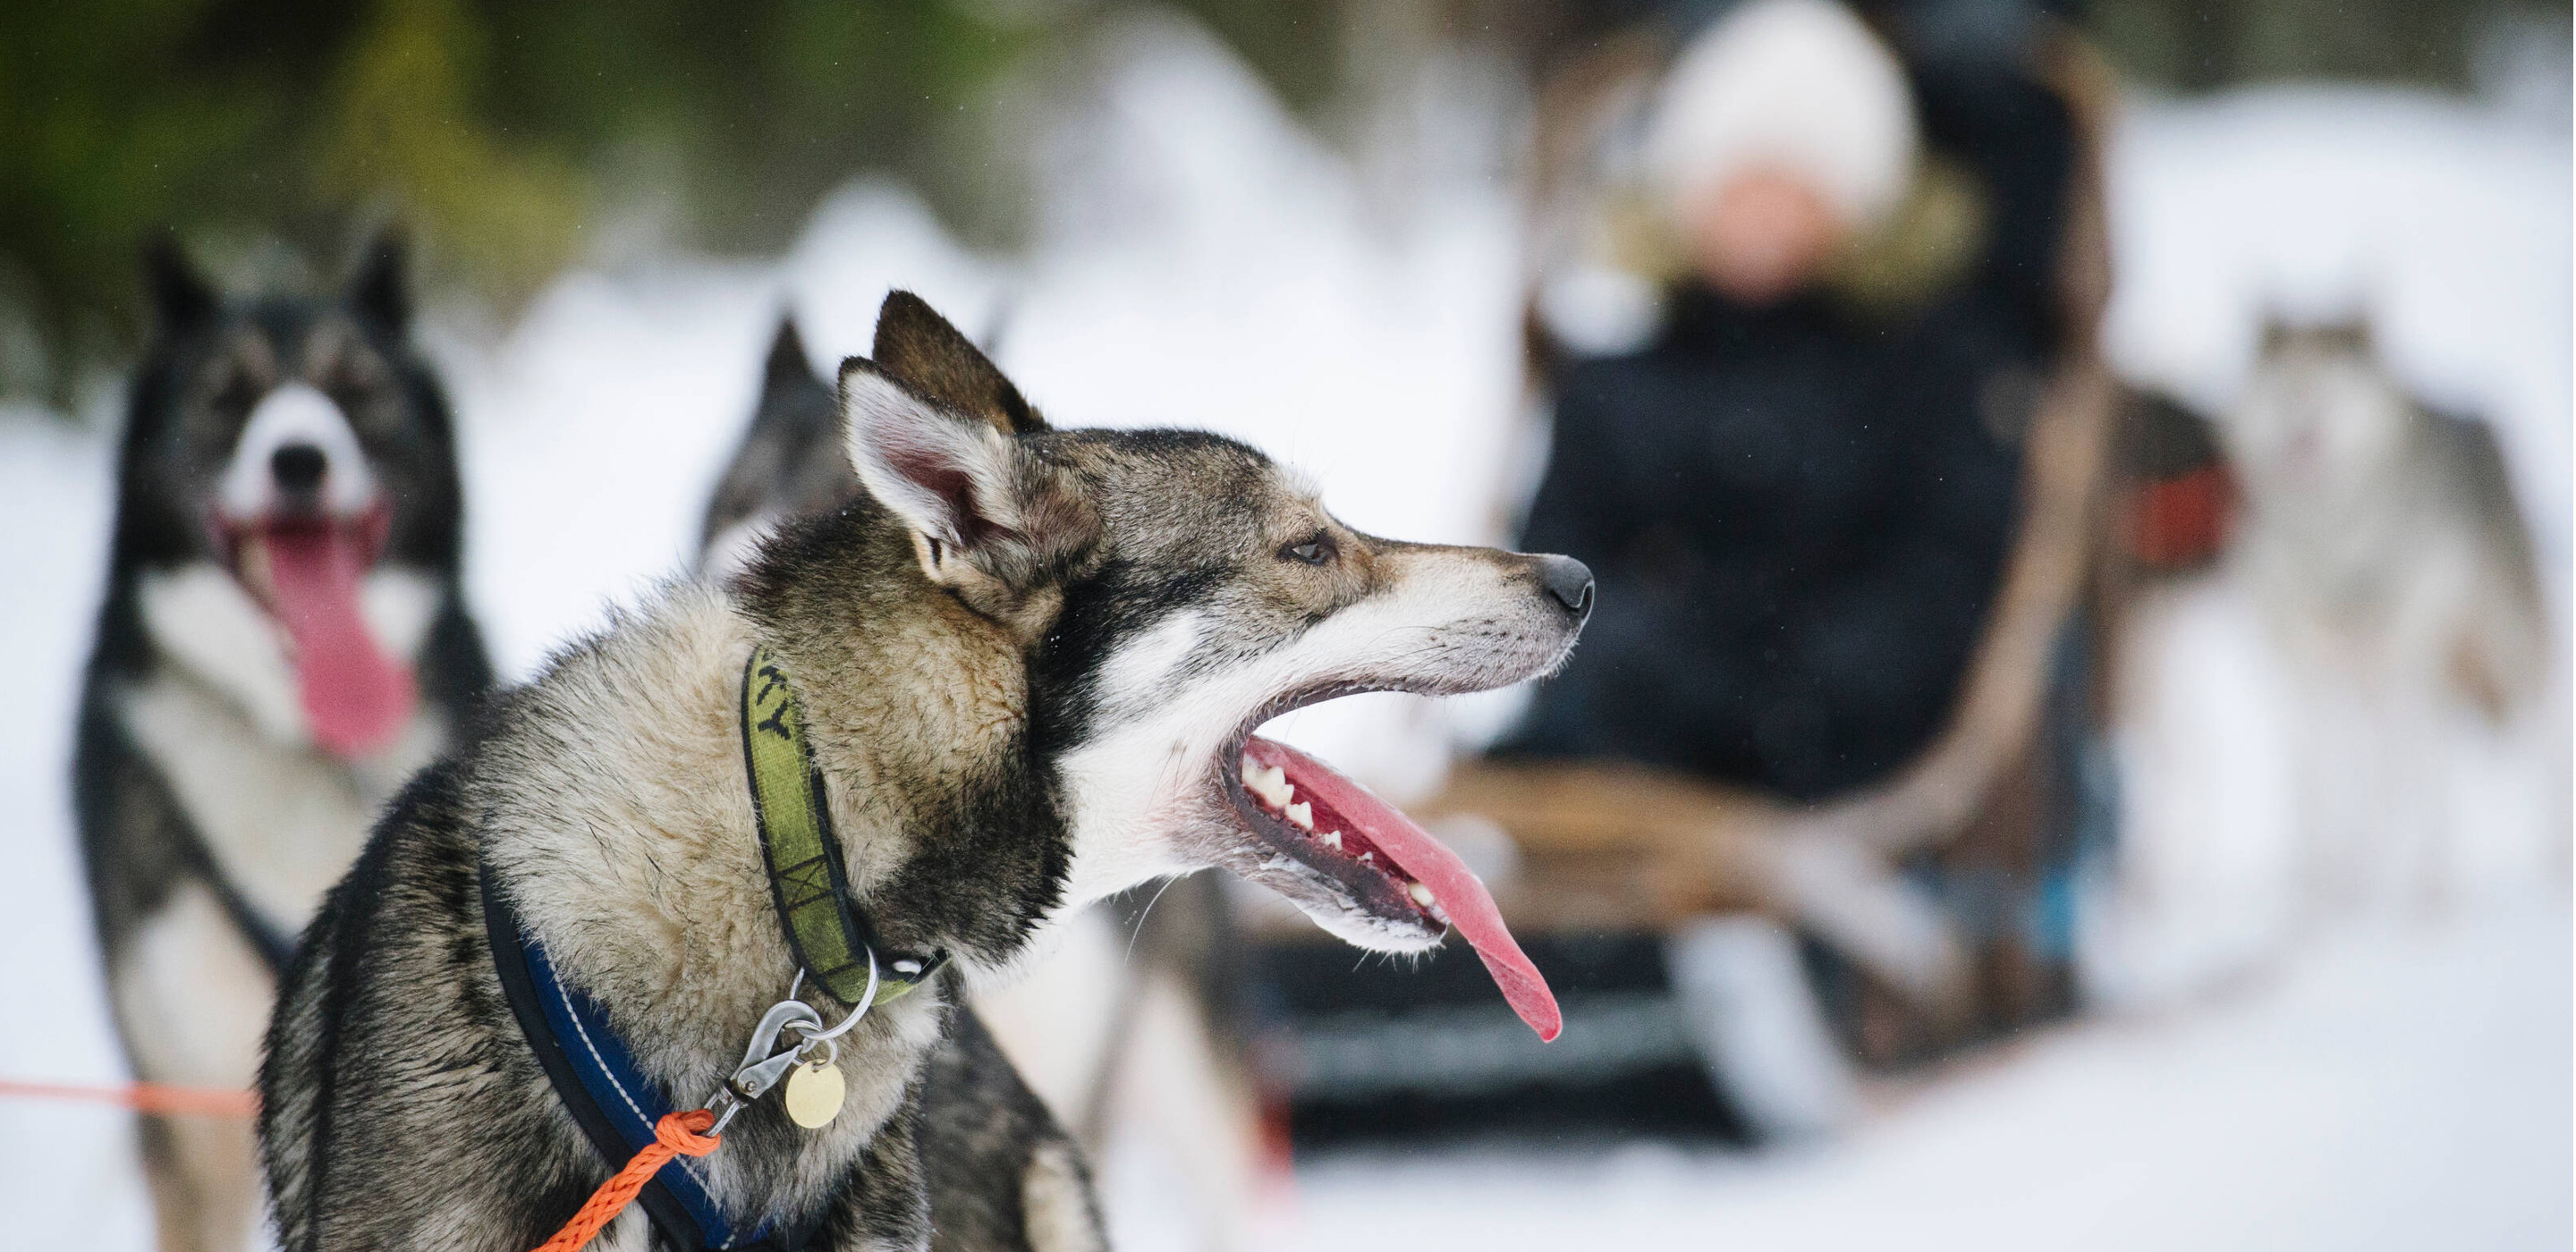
(788,366)
(380,288)
(2352,334)
(990,520)
(181,297)
(2277,332)
(919,348)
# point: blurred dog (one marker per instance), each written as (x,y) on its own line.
(2383,543)
(283,642)
(1030,664)
(789,464)
(1141,982)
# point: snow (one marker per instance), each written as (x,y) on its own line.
(2405,1086)
(593,433)
(72,1176)
(2400,1090)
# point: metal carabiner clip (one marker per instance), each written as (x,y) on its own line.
(759,1070)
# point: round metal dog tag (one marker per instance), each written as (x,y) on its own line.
(814,1095)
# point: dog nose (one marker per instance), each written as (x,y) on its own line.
(1568,582)
(298,466)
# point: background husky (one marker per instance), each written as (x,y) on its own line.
(2386,549)
(1030,662)
(282,644)
(788,465)
(1139,984)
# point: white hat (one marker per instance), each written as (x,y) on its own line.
(1799,84)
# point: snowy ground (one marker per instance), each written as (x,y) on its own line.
(2394,1091)
(2399,1088)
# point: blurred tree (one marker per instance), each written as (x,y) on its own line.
(500,132)
(398,124)
(112,118)
(2201,45)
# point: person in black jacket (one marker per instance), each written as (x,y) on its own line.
(1798,493)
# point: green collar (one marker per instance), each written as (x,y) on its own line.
(807,880)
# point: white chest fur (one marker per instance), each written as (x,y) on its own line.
(223,723)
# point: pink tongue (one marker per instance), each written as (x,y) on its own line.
(1424,859)
(355,697)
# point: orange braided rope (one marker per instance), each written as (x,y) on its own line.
(677,1134)
(143,1097)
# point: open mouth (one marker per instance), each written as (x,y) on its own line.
(1385,863)
(308,570)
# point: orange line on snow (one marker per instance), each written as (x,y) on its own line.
(142,1097)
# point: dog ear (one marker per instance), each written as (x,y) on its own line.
(380,288)
(991,521)
(919,348)
(788,365)
(2277,332)
(2351,334)
(181,297)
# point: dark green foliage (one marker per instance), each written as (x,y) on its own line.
(498,131)
(2200,45)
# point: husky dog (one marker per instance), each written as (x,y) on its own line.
(789,464)
(282,644)
(1030,663)
(2382,541)
(1144,976)
(981,1125)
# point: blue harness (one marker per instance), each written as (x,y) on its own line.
(589,1066)
(613,1102)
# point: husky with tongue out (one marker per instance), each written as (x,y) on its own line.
(281,645)
(1028,665)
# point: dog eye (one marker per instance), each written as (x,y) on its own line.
(237,395)
(1313,551)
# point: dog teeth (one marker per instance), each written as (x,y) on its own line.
(1367,857)
(1301,815)
(1330,839)
(1270,784)
(1421,894)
